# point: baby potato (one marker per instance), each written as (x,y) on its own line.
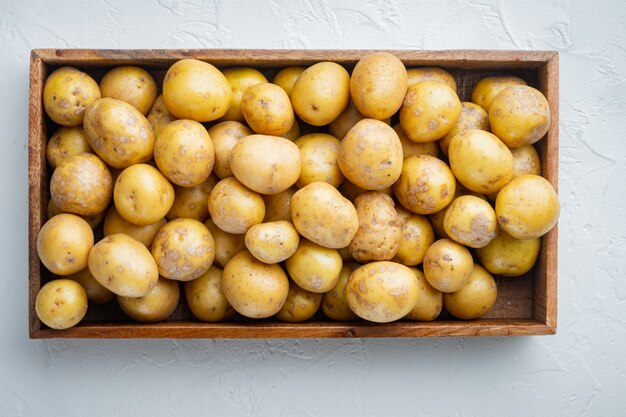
(278,206)
(370,155)
(130,84)
(96,293)
(429,300)
(508,256)
(472,117)
(429,111)
(196,90)
(155,306)
(118,133)
(300,305)
(254,289)
(81,185)
(267,109)
(321,93)
(426,184)
(470,221)
(142,195)
(67,93)
(235,208)
(205,297)
(378,85)
(183,249)
(488,88)
(123,265)
(436,219)
(526,161)
(227,244)
(346,121)
(192,202)
(61,304)
(240,80)
(448,265)
(519,115)
(286,78)
(418,75)
(351,191)
(93,221)
(416,236)
(318,152)
(314,267)
(480,161)
(183,151)
(266,164)
(321,214)
(66,142)
(382,291)
(334,304)
(379,233)
(475,299)
(225,136)
(63,244)
(159,116)
(527,207)
(410,148)
(272,242)
(114,223)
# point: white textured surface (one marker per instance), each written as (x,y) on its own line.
(580,371)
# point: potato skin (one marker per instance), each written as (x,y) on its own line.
(205,297)
(286,78)
(159,116)
(234,208)
(318,152)
(334,304)
(63,244)
(131,84)
(61,304)
(470,221)
(314,267)
(155,306)
(418,75)
(225,136)
(96,293)
(240,80)
(411,148)
(346,121)
(66,142)
(429,300)
(267,109)
(93,221)
(448,265)
(472,117)
(278,206)
(475,299)
(67,93)
(488,88)
(508,256)
(192,202)
(272,242)
(114,223)
(415,238)
(227,244)
(300,305)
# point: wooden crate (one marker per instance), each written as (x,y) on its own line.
(526,305)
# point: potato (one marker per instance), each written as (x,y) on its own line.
(519,115)
(475,299)
(159,116)
(227,244)
(155,306)
(318,152)
(278,206)
(131,84)
(472,117)
(300,305)
(488,88)
(266,164)
(334,304)
(205,297)
(321,93)
(351,191)
(426,184)
(526,161)
(346,121)
(81,185)
(96,293)
(410,148)
(142,195)
(235,208)
(93,221)
(429,111)
(66,142)
(313,267)
(114,223)
(436,219)
(224,136)
(123,265)
(418,75)
(272,242)
(61,304)
(508,256)
(183,151)
(480,161)
(67,93)
(267,109)
(378,85)
(321,214)
(286,78)
(118,133)
(192,202)
(470,221)
(196,90)
(527,207)
(293,133)
(379,233)
(448,265)
(416,236)
(382,291)
(63,244)
(254,289)
(429,300)
(240,80)
(370,155)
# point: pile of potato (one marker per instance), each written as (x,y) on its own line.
(214,184)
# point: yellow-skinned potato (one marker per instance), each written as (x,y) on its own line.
(205,297)
(196,90)
(321,214)
(123,265)
(183,151)
(472,117)
(266,164)
(378,85)
(234,208)
(334,304)
(118,133)
(66,142)
(346,121)
(66,95)
(155,306)
(225,136)
(192,202)
(519,115)
(351,191)
(267,109)
(278,206)
(81,185)
(93,221)
(475,299)
(61,304)
(382,291)
(429,111)
(429,300)
(470,221)
(321,93)
(63,244)
(448,265)
(293,133)
(508,256)
(526,161)
(318,152)
(114,223)
(286,78)
(254,289)
(411,148)
(96,293)
(488,88)
(272,242)
(240,80)
(131,84)
(300,305)
(415,238)
(314,267)
(370,155)
(227,244)
(418,75)
(436,219)
(142,195)
(527,207)
(159,116)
